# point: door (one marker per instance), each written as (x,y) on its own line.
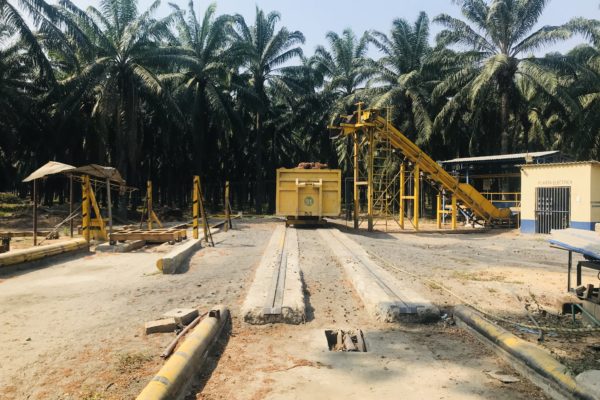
(552,208)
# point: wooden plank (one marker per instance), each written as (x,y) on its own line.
(35,253)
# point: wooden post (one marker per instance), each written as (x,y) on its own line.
(110,220)
(453,212)
(72,222)
(34,212)
(402,173)
(195,211)
(85,208)
(416,204)
(227,208)
(149,199)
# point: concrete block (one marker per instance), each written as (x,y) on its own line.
(590,380)
(160,326)
(171,262)
(592,308)
(182,316)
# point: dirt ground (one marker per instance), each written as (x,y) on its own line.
(499,271)
(73,328)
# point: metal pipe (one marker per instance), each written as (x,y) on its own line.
(195,211)
(416,201)
(110,218)
(72,222)
(355,192)
(169,349)
(370,182)
(35,212)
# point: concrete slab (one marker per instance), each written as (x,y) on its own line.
(182,316)
(590,380)
(170,262)
(124,247)
(160,326)
(384,296)
(258,298)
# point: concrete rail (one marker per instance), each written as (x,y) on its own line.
(15,257)
(259,297)
(527,358)
(173,260)
(177,374)
(385,296)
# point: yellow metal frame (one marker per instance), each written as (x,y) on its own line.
(198,212)
(444,211)
(151,215)
(96,226)
(371,124)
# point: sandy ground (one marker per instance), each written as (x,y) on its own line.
(501,272)
(73,328)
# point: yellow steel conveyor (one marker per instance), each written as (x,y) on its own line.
(363,120)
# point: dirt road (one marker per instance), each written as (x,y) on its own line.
(74,328)
(411,361)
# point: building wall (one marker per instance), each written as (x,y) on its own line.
(582,178)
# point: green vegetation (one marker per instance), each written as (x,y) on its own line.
(201,93)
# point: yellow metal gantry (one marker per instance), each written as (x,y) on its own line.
(91,227)
(370,125)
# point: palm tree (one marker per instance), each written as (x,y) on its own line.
(586,143)
(47,18)
(125,50)
(500,31)
(202,83)
(345,67)
(404,79)
(263,51)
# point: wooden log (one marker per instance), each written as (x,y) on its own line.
(37,253)
(148,237)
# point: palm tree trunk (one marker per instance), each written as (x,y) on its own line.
(504,137)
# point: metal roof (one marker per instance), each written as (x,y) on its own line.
(502,157)
(99,171)
(560,164)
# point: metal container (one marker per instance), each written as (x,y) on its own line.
(308,193)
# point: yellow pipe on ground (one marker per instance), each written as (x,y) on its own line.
(39,252)
(175,375)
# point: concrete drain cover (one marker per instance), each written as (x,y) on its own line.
(349,340)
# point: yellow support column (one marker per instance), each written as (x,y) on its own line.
(402,173)
(370,182)
(85,208)
(227,208)
(453,212)
(439,212)
(149,200)
(203,213)
(355,192)
(195,211)
(417,181)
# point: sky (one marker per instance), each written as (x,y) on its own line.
(314,18)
